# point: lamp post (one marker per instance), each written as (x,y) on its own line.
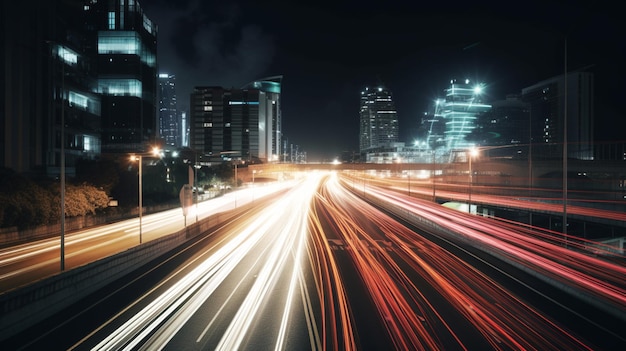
(62,175)
(253,173)
(408,174)
(471,153)
(139,159)
(61,55)
(432,176)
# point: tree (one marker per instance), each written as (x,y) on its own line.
(102,173)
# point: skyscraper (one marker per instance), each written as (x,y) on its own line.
(459,110)
(49,112)
(270,121)
(240,123)
(169,124)
(378,119)
(126,61)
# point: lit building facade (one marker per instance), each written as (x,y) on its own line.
(240,124)
(49,111)
(126,60)
(459,111)
(378,119)
(169,122)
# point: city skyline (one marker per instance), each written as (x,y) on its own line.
(328,56)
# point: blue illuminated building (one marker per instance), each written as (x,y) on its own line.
(48,101)
(126,61)
(459,111)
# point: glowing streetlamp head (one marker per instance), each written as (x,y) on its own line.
(478,89)
(473,152)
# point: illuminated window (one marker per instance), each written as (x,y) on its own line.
(78,99)
(111,20)
(124,42)
(227,125)
(207,124)
(117,87)
(208,108)
(86,143)
(67,55)
(119,42)
(147,24)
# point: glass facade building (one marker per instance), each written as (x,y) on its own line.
(50,112)
(237,123)
(459,111)
(127,76)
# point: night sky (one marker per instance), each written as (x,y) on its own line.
(328,52)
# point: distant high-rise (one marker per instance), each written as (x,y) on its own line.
(237,123)
(378,119)
(168,112)
(126,61)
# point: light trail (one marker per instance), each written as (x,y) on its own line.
(407,313)
(578,270)
(37,258)
(277,230)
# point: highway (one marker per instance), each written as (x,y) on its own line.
(320,268)
(24,264)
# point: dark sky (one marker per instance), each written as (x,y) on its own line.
(328,52)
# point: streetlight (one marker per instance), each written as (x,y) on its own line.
(139,159)
(432,176)
(253,173)
(471,153)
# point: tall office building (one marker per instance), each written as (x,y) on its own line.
(126,61)
(549,108)
(270,121)
(378,119)
(459,110)
(49,113)
(237,123)
(169,123)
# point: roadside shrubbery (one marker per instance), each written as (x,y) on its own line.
(26,203)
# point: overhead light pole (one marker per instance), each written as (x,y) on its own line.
(432,176)
(471,153)
(139,159)
(62,165)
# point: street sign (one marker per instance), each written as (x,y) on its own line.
(186,198)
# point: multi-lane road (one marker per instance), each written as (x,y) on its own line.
(320,268)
